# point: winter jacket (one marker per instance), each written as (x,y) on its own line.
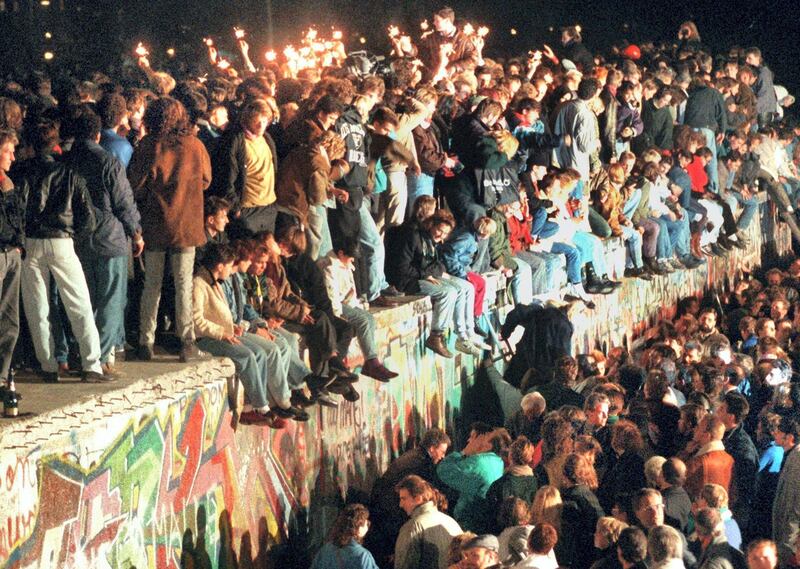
(57,201)
(721,555)
(577,120)
(356,138)
(210,311)
(168,181)
(740,446)
(786,507)
(658,126)
(229,170)
(415,258)
(303,181)
(706,109)
(472,476)
(430,155)
(424,540)
(764,90)
(463,57)
(709,465)
(243,312)
(499,247)
(12,219)
(458,252)
(115,211)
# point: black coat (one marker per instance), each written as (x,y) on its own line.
(411,257)
(677,507)
(579,517)
(626,476)
(740,446)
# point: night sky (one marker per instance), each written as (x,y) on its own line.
(774,25)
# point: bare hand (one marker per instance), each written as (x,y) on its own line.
(264,333)
(308,320)
(232,340)
(138,247)
(548,52)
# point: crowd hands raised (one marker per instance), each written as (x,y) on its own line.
(270,193)
(680,455)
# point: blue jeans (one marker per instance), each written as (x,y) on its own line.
(538,271)
(522,281)
(251,366)
(540,226)
(591,249)
(421,185)
(107,279)
(318,232)
(629,207)
(711,167)
(678,232)
(373,251)
(364,324)
(749,209)
(573,257)
(443,299)
(633,243)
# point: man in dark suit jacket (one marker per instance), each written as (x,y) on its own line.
(717,552)
(740,446)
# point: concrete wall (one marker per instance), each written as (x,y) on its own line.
(159,475)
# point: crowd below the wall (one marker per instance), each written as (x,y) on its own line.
(239,211)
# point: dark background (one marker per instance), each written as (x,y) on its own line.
(95,33)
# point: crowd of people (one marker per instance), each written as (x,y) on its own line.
(252,208)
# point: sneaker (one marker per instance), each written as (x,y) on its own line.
(376,370)
(144,352)
(435,342)
(324,399)
(464,346)
(111,371)
(96,377)
(291,412)
(189,352)
(480,343)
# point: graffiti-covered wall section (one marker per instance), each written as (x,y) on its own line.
(159,475)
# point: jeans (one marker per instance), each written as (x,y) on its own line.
(633,242)
(318,232)
(629,207)
(182,265)
(573,257)
(650,237)
(57,257)
(599,226)
(421,185)
(540,226)
(250,361)
(591,249)
(711,167)
(443,299)
(10,276)
(522,281)
(393,201)
(678,232)
(749,209)
(364,324)
(298,370)
(373,253)
(107,279)
(278,354)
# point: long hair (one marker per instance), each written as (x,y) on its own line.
(167,120)
(578,470)
(345,528)
(546,507)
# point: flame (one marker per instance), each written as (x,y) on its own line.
(209,42)
(424,25)
(141,51)
(311,34)
(239,33)
(337,35)
(483,31)
(223,64)
(271,55)
(468,29)
(394,31)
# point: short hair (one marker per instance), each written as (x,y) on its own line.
(713,425)
(789,425)
(513,511)
(485,226)
(627,435)
(433,438)
(385,115)
(663,543)
(542,538)
(328,104)
(416,486)
(215,204)
(674,471)
(632,545)
(595,398)
(588,88)
(715,496)
(44,136)
(611,528)
(737,405)
(446,13)
(755,544)
(653,468)
(521,451)
(707,522)
(7,135)
(642,494)
(252,108)
(217,254)
(112,108)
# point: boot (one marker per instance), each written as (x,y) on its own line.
(436,343)
(652,265)
(694,246)
(594,284)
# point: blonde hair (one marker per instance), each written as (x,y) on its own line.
(546,507)
(610,527)
(363,105)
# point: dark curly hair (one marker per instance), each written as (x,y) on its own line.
(166,119)
(345,528)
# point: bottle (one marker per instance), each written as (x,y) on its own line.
(11,400)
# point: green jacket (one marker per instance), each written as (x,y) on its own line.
(472,476)
(499,247)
